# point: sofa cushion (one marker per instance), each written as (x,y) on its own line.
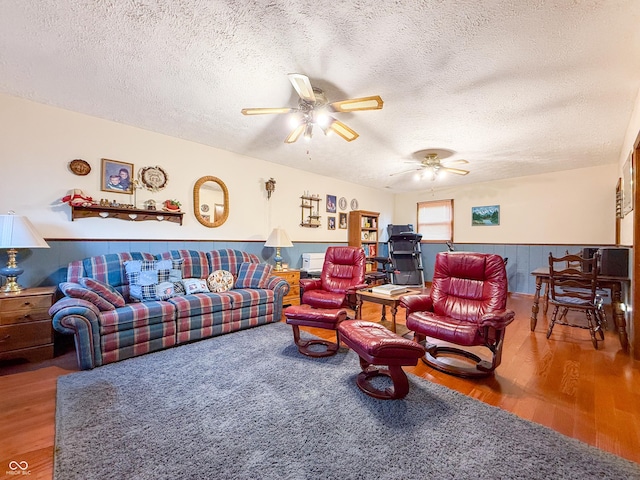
(104,290)
(229,260)
(201,304)
(220,281)
(253,275)
(250,297)
(136,315)
(75,290)
(107,268)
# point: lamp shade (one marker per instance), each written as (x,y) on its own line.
(278,238)
(17,231)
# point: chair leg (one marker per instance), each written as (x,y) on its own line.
(553,320)
(592,329)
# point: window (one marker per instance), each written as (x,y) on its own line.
(435,221)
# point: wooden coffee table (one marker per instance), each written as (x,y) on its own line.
(366,295)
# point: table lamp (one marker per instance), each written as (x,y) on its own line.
(278,239)
(16,232)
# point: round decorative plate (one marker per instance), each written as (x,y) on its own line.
(342,203)
(204,207)
(79,167)
(153,178)
(354,204)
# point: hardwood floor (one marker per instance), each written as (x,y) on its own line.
(563,383)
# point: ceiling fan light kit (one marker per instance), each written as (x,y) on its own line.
(314,110)
(433,166)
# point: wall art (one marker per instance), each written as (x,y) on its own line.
(116,176)
(485,216)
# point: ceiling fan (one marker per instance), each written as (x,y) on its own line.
(314,109)
(433,165)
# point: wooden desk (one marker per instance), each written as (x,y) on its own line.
(614,284)
(366,295)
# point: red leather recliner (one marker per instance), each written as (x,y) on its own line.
(342,274)
(466,306)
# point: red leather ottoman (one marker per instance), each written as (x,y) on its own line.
(375,345)
(315,317)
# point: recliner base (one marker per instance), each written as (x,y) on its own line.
(481,368)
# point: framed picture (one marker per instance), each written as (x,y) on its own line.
(627,186)
(331,223)
(116,176)
(331,204)
(342,220)
(485,216)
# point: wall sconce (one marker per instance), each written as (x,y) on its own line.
(270,185)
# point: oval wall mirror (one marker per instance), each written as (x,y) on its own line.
(210,201)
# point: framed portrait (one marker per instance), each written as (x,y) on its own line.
(627,186)
(485,216)
(331,223)
(342,223)
(331,205)
(116,176)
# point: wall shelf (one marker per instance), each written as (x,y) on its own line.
(310,207)
(131,214)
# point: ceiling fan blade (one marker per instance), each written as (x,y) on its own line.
(303,86)
(457,171)
(262,111)
(295,134)
(454,162)
(341,129)
(405,171)
(356,104)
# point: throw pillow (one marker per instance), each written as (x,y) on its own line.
(75,290)
(148,278)
(195,285)
(220,281)
(164,290)
(105,290)
(253,275)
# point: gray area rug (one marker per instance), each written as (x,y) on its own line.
(248,406)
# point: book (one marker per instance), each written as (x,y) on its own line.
(389,289)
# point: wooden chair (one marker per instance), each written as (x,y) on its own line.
(601,294)
(573,285)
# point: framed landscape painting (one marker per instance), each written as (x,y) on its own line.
(485,216)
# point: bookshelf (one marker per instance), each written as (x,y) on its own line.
(363,232)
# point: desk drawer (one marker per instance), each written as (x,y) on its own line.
(24,316)
(14,337)
(25,303)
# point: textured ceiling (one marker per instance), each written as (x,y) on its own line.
(516,87)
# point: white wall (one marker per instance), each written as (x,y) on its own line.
(39,141)
(626,227)
(570,207)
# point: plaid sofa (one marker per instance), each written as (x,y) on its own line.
(137,328)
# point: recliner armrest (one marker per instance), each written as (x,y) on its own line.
(354,288)
(416,303)
(498,320)
(307,284)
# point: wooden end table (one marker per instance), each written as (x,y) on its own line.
(366,295)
